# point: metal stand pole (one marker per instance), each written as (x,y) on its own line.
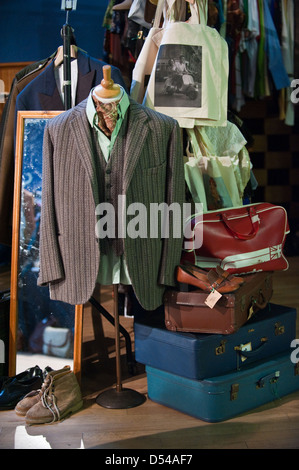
(119,397)
(123,331)
(66,34)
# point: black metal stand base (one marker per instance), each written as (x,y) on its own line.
(123,399)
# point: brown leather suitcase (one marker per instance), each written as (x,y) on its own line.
(187,311)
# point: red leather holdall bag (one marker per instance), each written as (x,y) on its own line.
(241,240)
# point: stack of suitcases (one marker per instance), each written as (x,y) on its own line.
(216,363)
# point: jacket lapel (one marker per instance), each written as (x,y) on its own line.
(85,77)
(49,98)
(82,135)
(137,131)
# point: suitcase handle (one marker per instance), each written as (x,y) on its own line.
(271,378)
(234,224)
(261,302)
(254,352)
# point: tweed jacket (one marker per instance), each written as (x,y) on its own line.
(153,173)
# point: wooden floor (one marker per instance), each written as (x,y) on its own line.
(155,427)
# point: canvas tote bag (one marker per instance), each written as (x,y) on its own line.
(147,56)
(200,97)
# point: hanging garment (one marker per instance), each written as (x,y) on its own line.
(149,147)
(235,18)
(273,51)
(296,40)
(287,46)
(137,13)
(20,81)
(38,91)
(249,47)
(43,94)
(261,68)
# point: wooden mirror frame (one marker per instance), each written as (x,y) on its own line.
(13,324)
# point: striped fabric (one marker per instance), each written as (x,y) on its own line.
(153,172)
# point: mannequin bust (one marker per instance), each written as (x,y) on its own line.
(106,97)
(107,91)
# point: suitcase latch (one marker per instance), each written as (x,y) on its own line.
(234,391)
(221,348)
(279,329)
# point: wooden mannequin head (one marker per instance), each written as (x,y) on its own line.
(107,89)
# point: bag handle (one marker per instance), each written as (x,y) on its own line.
(233,224)
(199,12)
(158,13)
(271,378)
(254,352)
(172,10)
(261,302)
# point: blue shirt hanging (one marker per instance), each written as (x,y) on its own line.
(273,50)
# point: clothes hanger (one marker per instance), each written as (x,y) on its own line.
(59,56)
(107,90)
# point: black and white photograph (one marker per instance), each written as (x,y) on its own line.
(178,77)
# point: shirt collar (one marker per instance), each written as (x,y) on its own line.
(92,114)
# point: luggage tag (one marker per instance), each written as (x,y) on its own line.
(213,298)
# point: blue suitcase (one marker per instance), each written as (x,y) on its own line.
(197,356)
(220,398)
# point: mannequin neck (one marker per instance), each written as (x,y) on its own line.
(108,100)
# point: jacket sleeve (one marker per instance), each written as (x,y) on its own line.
(51,267)
(175,194)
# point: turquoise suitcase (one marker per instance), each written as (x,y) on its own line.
(199,355)
(223,397)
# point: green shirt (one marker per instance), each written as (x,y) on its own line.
(112,269)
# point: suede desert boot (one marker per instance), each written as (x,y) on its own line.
(35,395)
(60,398)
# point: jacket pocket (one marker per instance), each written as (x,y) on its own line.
(155,170)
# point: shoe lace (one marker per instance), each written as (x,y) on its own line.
(48,398)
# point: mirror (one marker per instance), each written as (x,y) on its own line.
(38,325)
